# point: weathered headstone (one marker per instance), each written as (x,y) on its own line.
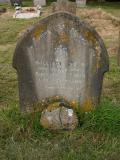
(60,56)
(64,5)
(81,3)
(39,2)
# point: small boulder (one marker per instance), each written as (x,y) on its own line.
(59,118)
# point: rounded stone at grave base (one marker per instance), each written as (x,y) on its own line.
(59,118)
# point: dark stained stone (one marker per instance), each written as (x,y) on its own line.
(60,56)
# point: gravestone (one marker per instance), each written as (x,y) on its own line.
(13,2)
(81,3)
(64,5)
(60,56)
(39,2)
(4,1)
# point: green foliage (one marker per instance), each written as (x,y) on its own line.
(22,137)
(105,119)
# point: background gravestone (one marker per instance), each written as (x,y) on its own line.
(64,5)
(4,1)
(19,2)
(118,57)
(39,2)
(81,3)
(60,56)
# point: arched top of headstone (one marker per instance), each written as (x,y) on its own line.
(83,28)
(63,56)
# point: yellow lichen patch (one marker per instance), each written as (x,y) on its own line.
(74,104)
(98,58)
(44,122)
(39,30)
(98,65)
(63,38)
(89,36)
(87,106)
(53,106)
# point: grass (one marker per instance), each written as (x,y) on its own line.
(111,7)
(98,138)
(22,137)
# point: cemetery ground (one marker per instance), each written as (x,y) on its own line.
(98,135)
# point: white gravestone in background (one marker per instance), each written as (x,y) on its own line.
(4,1)
(39,2)
(81,3)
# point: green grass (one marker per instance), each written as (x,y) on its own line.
(22,137)
(98,138)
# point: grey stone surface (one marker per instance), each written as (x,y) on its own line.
(60,56)
(118,57)
(64,5)
(39,2)
(59,119)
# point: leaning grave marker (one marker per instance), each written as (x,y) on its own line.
(60,56)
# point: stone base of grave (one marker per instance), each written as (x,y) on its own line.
(64,6)
(27,13)
(57,117)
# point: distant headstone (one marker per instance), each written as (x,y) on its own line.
(64,5)
(39,2)
(60,56)
(81,3)
(16,2)
(4,1)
